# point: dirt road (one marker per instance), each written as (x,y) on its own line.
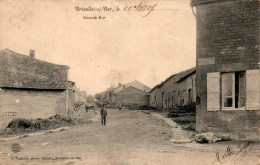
(130,138)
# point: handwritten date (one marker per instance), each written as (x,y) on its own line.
(143,9)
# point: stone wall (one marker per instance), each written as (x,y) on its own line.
(155,99)
(30,104)
(227,41)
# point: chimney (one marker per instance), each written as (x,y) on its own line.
(32,53)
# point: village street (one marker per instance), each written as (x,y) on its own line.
(130,138)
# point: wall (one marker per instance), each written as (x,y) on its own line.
(156,98)
(70,94)
(174,91)
(183,87)
(131,96)
(80,96)
(227,40)
(30,104)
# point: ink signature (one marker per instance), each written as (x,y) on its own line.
(234,155)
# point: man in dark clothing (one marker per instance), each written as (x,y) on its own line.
(103,113)
(86,107)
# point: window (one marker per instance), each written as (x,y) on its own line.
(227,90)
(189,96)
(233,90)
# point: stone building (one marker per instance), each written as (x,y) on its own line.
(227,67)
(132,95)
(30,88)
(75,94)
(131,98)
(177,90)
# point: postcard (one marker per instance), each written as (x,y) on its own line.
(130,82)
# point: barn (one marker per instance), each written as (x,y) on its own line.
(31,88)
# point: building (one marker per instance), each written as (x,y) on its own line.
(132,95)
(136,84)
(177,90)
(228,76)
(30,88)
(75,94)
(80,96)
(71,89)
(131,98)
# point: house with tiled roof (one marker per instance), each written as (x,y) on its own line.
(131,95)
(31,88)
(177,90)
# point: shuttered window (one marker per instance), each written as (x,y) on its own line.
(252,90)
(233,90)
(213,91)
(239,90)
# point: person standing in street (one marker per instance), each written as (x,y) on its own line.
(86,107)
(103,113)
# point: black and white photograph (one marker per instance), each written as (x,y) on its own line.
(130,82)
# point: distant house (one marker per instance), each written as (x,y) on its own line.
(31,88)
(131,98)
(132,95)
(82,97)
(76,94)
(228,73)
(135,84)
(177,90)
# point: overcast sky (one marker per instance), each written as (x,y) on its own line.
(121,48)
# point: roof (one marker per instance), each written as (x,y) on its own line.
(129,88)
(136,84)
(177,77)
(22,71)
(196,2)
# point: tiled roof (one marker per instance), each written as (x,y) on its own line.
(21,71)
(177,77)
(196,2)
(136,84)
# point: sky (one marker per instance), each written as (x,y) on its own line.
(123,47)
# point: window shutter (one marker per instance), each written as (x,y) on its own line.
(213,91)
(252,90)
